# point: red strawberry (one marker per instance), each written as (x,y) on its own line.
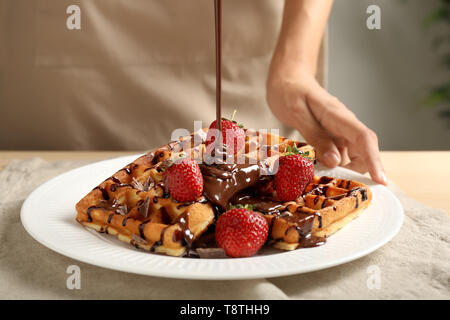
(241,233)
(184,180)
(232,135)
(293,175)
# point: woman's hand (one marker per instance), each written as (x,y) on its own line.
(297,100)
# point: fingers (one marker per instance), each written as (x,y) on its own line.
(365,157)
(372,158)
(326,150)
(357,164)
(343,150)
(343,125)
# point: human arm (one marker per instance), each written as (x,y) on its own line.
(298,100)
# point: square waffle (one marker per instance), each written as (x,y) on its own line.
(135,205)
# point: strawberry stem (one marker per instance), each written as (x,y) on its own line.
(232,116)
(294,150)
(248,207)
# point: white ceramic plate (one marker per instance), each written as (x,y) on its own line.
(48,214)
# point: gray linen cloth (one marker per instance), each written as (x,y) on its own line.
(414,265)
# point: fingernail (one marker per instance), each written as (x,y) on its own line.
(383,177)
(331,159)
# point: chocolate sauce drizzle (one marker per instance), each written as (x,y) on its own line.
(218,31)
(161,240)
(110,218)
(187,234)
(105,194)
(303,224)
(261,204)
(222,181)
(107,206)
(141,229)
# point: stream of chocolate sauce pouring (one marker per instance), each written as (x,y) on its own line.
(218,24)
(243,176)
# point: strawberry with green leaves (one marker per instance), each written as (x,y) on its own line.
(295,172)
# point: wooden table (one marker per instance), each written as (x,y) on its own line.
(421,175)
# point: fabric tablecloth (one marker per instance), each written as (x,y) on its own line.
(414,265)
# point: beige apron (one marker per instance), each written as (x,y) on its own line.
(137,70)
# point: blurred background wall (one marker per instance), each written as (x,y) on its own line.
(384,75)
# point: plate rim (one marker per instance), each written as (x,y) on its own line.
(194,276)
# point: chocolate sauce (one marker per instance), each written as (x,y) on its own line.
(161,240)
(272,221)
(222,181)
(110,217)
(297,228)
(187,204)
(218,29)
(317,190)
(260,204)
(325,180)
(141,229)
(186,232)
(303,222)
(104,192)
(303,225)
(115,186)
(165,189)
(311,241)
(364,195)
(115,180)
(165,216)
(89,211)
(319,217)
(356,200)
(107,206)
(206,240)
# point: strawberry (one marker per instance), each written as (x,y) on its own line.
(233,135)
(184,180)
(241,232)
(293,175)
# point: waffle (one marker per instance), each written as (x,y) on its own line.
(327,205)
(135,206)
